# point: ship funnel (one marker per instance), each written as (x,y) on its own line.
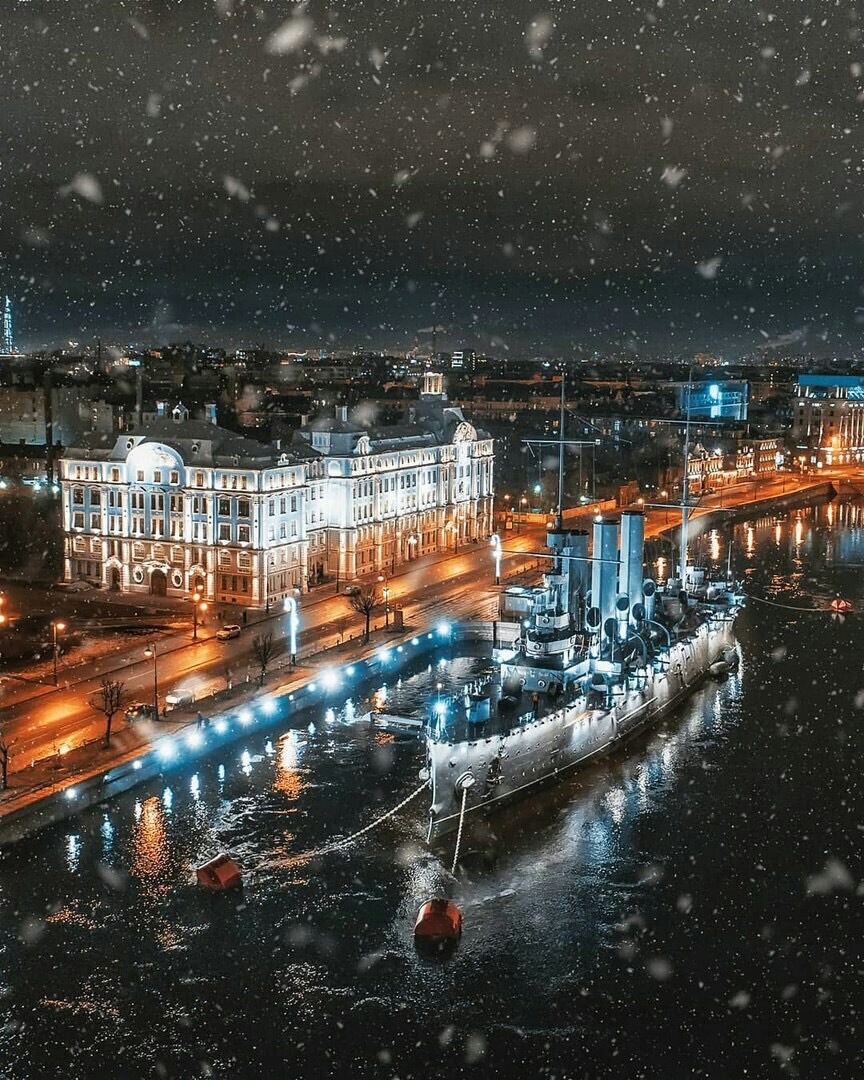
(632,544)
(604,569)
(649,589)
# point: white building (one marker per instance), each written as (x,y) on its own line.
(186,503)
(182,505)
(388,495)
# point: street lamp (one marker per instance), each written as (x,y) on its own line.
(2,612)
(454,528)
(293,619)
(665,496)
(386,591)
(56,627)
(150,653)
(495,541)
(197,605)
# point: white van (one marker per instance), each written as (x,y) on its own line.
(178,697)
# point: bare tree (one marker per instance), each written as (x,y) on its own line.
(263,650)
(109,699)
(364,603)
(5,748)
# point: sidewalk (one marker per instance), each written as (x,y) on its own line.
(30,785)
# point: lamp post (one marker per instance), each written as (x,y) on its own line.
(386,591)
(454,528)
(56,627)
(665,496)
(150,653)
(495,541)
(197,605)
(293,619)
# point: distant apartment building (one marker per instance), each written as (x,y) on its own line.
(719,400)
(186,504)
(828,419)
(36,415)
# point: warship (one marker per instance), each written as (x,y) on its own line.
(601,654)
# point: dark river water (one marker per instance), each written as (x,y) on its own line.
(690,908)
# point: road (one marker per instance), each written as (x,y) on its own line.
(41,721)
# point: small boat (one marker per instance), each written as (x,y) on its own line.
(719,669)
(397,725)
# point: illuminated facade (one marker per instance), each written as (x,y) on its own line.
(7,344)
(388,495)
(187,504)
(828,419)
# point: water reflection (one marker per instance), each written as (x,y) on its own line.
(150,847)
(289,779)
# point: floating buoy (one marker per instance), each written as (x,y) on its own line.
(219,874)
(438,927)
(842,607)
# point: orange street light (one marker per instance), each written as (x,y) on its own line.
(56,627)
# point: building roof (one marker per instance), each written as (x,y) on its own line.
(196,441)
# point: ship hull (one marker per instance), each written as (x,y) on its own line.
(510,765)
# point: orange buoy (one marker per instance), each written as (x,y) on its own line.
(438,926)
(841,606)
(219,874)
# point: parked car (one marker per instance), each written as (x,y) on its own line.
(179,697)
(228,632)
(140,710)
(353,590)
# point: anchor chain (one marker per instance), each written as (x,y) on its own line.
(459,833)
(366,828)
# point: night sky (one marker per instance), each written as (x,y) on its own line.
(536,178)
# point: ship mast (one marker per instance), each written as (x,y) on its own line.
(559,516)
(685,489)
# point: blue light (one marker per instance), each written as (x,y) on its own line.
(70,793)
(166,749)
(269,707)
(245,717)
(415,641)
(383,655)
(441,708)
(330,679)
(350,670)
(443,629)
(194,739)
(714,391)
(136,764)
(221,727)
(313,687)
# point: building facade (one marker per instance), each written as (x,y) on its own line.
(386,496)
(187,505)
(828,420)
